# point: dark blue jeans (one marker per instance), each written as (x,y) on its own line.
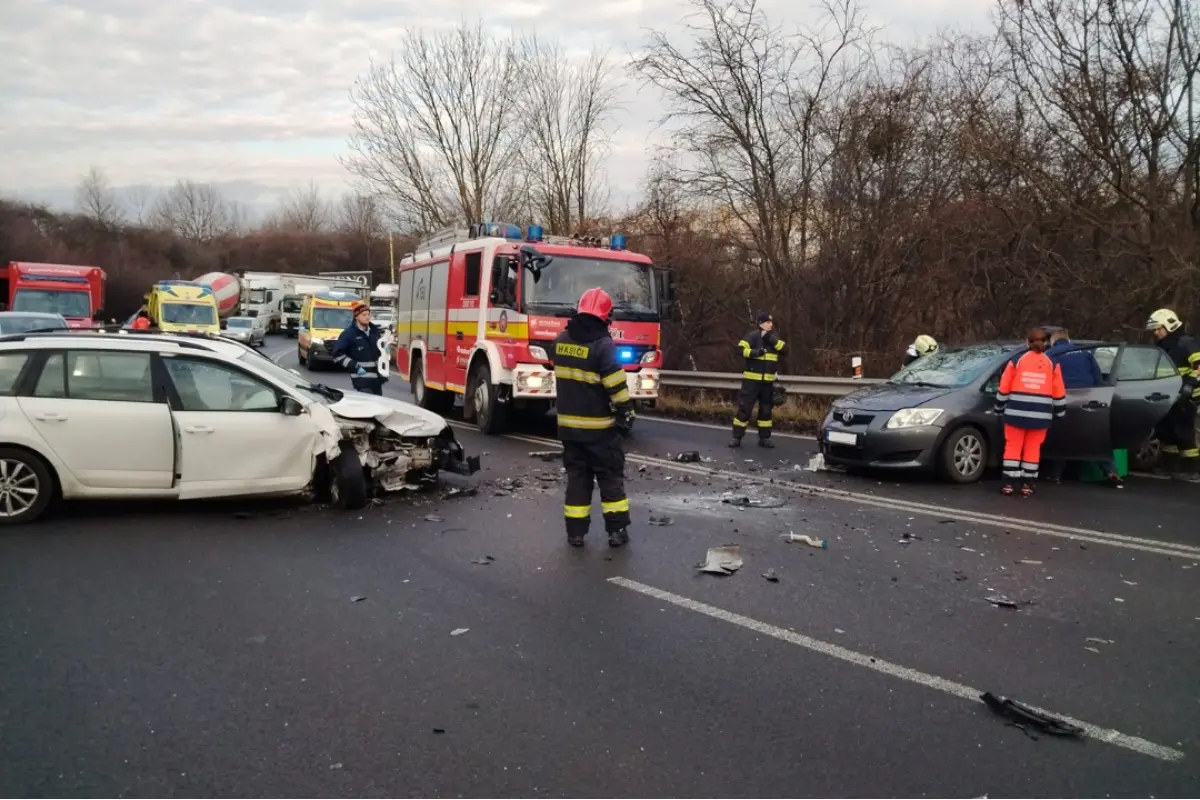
(372,384)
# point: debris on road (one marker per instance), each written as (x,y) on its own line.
(439,731)
(336,766)
(1119,599)
(1024,715)
(358,598)
(433,518)
(959,575)
(690,457)
(1098,640)
(459,631)
(546,455)
(460,492)
(1028,561)
(483,560)
(661,522)
(804,538)
(744,501)
(771,576)
(1000,601)
(724,560)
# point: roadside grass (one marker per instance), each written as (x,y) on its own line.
(799,415)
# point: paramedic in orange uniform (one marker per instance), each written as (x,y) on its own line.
(1031,395)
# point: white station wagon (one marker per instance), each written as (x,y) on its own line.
(85,415)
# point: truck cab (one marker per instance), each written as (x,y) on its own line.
(183,307)
(76,293)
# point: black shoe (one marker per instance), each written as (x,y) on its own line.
(618,538)
(767,443)
(735,443)
(575,540)
(1115,481)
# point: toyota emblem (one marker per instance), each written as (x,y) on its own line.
(847,417)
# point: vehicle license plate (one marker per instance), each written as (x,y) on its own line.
(840,437)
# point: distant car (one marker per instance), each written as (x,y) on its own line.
(936,413)
(24,321)
(247,330)
(170,416)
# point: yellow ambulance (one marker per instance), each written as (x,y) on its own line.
(323,317)
(183,307)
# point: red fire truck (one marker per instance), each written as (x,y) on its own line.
(479,308)
(77,293)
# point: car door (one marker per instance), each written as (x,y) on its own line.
(232,437)
(101,414)
(1084,432)
(1147,385)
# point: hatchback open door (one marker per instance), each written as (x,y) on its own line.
(1147,385)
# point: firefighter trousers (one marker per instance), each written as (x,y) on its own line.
(373,384)
(603,463)
(1023,452)
(1177,435)
(762,393)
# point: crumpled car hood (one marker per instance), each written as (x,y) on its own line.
(404,418)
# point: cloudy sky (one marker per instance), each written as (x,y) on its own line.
(252,95)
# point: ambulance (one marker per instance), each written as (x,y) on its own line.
(183,307)
(477,311)
(323,317)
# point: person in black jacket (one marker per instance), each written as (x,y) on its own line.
(594,412)
(761,350)
(1177,431)
(357,350)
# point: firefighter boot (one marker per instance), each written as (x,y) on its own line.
(736,441)
(618,538)
(767,443)
(1187,470)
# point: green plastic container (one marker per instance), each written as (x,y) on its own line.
(1090,473)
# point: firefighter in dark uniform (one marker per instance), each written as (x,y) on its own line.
(357,350)
(761,349)
(594,412)
(1177,431)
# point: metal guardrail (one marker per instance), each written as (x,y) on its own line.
(794,384)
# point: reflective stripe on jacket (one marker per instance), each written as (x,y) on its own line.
(358,348)
(589,381)
(1031,392)
(761,367)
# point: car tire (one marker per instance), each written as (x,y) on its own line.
(347,480)
(21,472)
(963,457)
(485,400)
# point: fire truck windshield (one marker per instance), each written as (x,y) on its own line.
(74,304)
(558,286)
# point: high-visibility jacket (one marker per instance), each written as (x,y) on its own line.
(1031,392)
(141,324)
(1184,352)
(593,393)
(761,352)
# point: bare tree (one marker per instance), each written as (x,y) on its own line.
(566,109)
(361,215)
(435,128)
(197,211)
(139,200)
(97,199)
(304,210)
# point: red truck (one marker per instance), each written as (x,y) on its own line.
(77,293)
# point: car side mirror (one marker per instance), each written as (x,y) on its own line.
(290,407)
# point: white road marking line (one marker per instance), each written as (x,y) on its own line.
(959,690)
(894,504)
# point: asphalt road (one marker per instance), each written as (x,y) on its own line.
(218,650)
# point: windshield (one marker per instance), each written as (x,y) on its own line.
(949,369)
(292,305)
(339,318)
(19,323)
(258,296)
(268,367)
(559,285)
(188,313)
(239,323)
(53,301)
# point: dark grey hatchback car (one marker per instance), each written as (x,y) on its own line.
(936,413)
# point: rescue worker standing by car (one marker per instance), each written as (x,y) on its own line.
(923,345)
(142,321)
(594,412)
(1031,395)
(1177,431)
(357,350)
(761,349)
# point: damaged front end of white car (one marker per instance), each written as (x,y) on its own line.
(376,445)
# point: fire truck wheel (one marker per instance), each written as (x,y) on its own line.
(429,399)
(485,401)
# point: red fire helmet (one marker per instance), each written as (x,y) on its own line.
(597,303)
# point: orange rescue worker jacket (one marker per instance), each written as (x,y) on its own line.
(1031,392)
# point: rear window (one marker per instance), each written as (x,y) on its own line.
(949,369)
(11,365)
